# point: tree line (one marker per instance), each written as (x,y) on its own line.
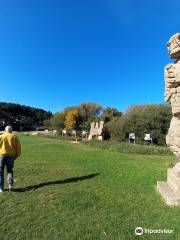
(151,119)
(22,118)
(139,119)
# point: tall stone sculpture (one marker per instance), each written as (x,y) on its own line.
(96,130)
(170,190)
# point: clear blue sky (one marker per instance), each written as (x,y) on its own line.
(57,53)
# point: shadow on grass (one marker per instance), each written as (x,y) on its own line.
(68,180)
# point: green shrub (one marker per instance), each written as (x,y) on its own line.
(141,119)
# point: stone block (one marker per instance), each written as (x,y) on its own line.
(173,181)
(167,194)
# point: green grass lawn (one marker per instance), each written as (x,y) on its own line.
(73,191)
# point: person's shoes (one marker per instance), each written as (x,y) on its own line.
(1,190)
(11,188)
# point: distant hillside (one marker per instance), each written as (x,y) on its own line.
(22,117)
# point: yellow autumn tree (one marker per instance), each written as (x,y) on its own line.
(71,118)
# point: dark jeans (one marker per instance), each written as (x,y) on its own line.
(9,163)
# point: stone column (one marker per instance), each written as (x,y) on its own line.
(170,190)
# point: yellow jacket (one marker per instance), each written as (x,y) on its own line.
(10,145)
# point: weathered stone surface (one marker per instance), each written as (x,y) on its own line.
(172,94)
(174,46)
(173,137)
(96,130)
(170,190)
(172,86)
(174,182)
(167,194)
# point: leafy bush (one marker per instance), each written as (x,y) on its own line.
(140,119)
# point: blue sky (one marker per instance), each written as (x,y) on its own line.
(58,53)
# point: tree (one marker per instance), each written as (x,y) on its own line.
(57,121)
(71,119)
(110,113)
(88,112)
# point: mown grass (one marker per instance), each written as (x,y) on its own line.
(125,147)
(71,191)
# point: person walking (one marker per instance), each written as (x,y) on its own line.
(10,149)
